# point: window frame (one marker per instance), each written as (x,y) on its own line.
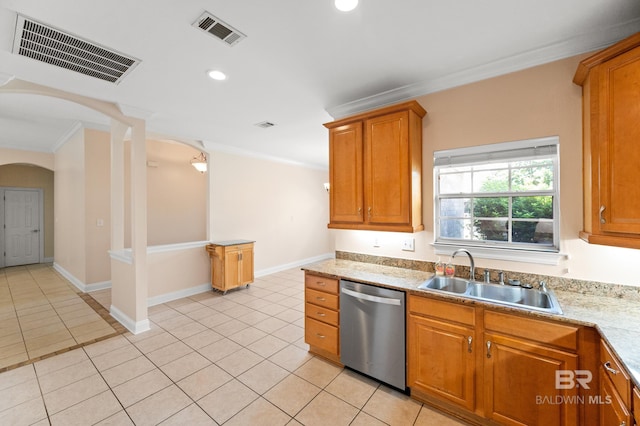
(508,152)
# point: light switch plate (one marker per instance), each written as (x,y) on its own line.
(408,244)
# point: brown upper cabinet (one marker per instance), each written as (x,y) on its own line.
(375,169)
(610,83)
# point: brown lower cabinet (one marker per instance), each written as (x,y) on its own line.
(322,316)
(615,390)
(441,355)
(231,264)
(636,404)
(495,367)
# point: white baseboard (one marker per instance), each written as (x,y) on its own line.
(73,280)
(284,267)
(97,286)
(168,297)
(128,323)
(85,288)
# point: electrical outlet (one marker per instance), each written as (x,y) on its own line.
(408,244)
(376,242)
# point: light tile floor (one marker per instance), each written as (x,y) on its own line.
(42,313)
(238,359)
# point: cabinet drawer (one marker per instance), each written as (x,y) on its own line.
(612,369)
(316,282)
(444,310)
(321,298)
(321,314)
(550,333)
(321,335)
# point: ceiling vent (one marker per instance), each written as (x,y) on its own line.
(46,44)
(220,30)
(265,124)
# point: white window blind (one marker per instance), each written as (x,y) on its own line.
(501,196)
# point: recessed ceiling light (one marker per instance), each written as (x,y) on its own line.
(346,5)
(217,75)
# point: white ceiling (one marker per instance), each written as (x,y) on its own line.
(303,63)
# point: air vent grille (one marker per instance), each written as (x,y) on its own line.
(46,44)
(219,29)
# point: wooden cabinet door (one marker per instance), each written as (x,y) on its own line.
(441,360)
(520,383)
(387,169)
(246,265)
(619,153)
(232,268)
(345,174)
(612,410)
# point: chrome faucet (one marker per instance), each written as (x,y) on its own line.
(472,268)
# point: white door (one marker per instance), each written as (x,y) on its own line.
(22,226)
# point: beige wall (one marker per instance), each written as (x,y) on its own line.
(176,195)
(283,207)
(536,102)
(16,156)
(28,176)
(69,210)
(97,205)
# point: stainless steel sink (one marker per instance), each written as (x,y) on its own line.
(538,300)
(450,284)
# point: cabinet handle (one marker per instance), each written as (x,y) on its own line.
(321,283)
(469,341)
(623,423)
(321,314)
(602,220)
(322,336)
(359,211)
(369,212)
(607,366)
(322,299)
(488,348)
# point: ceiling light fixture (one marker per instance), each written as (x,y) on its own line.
(217,75)
(346,5)
(200,162)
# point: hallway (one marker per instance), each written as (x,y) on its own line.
(41,314)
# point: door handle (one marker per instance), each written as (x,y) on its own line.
(36,230)
(370,298)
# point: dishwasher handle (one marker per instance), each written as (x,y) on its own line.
(370,298)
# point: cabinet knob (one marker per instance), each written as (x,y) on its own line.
(602,220)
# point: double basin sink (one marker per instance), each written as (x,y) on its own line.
(528,298)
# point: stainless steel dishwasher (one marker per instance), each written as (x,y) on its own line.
(372,332)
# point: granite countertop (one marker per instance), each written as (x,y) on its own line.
(616,319)
(231,242)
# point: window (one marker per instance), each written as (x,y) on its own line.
(499,196)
